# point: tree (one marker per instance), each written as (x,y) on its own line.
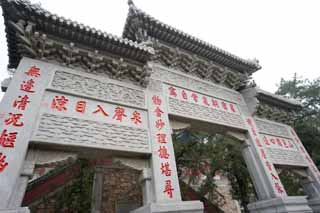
(307,124)
(204,154)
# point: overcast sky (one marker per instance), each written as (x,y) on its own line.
(284,35)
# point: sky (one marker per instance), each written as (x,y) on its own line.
(283,35)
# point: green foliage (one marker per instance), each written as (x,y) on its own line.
(307,125)
(291,183)
(207,154)
(76,196)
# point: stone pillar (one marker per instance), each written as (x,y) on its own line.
(312,189)
(147,191)
(261,186)
(97,190)
(166,196)
(21,185)
(271,193)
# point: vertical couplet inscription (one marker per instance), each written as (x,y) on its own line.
(306,156)
(267,164)
(14,120)
(18,110)
(167,185)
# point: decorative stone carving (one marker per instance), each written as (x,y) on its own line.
(271,128)
(275,113)
(84,133)
(182,80)
(279,156)
(40,45)
(199,67)
(99,89)
(195,111)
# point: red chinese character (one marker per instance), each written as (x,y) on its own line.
(273,141)
(3,163)
(232,108)
(290,144)
(269,166)
(165,169)
(158,112)
(163,152)
(205,101)
(161,138)
(81,106)
(224,105)
(136,117)
(14,120)
(160,124)
(184,95)
(33,72)
(27,86)
(119,113)
(308,159)
(266,141)
(100,109)
(59,103)
(156,100)
(263,154)
(249,121)
(274,177)
(172,91)
(168,188)
(279,142)
(258,142)
(278,188)
(285,143)
(253,131)
(21,102)
(8,140)
(215,103)
(195,97)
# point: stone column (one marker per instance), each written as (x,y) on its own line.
(312,189)
(261,186)
(271,193)
(166,197)
(97,190)
(147,191)
(21,185)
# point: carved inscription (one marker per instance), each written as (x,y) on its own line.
(271,128)
(282,151)
(195,111)
(73,131)
(90,87)
(182,80)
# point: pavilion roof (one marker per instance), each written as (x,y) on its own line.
(138,19)
(72,31)
(279,100)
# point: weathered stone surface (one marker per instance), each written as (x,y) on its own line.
(195,111)
(70,131)
(101,88)
(272,128)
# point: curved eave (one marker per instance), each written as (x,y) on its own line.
(278,100)
(164,32)
(63,28)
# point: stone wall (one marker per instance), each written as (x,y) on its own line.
(121,190)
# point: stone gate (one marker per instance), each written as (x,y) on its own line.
(78,91)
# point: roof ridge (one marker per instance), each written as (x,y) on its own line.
(279,97)
(41,11)
(251,62)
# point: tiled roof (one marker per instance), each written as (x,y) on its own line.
(171,35)
(47,22)
(270,97)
